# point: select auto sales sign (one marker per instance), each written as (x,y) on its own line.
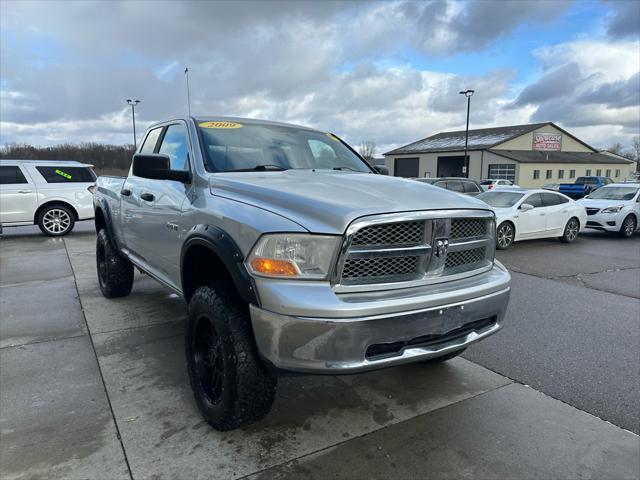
(547,141)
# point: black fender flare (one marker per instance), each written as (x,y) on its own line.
(226,249)
(102,205)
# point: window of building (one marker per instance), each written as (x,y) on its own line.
(608,173)
(175,145)
(549,174)
(560,174)
(572,173)
(503,171)
(617,172)
(598,172)
(62,174)
(536,174)
(11,175)
(587,172)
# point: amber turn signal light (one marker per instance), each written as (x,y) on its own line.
(269,266)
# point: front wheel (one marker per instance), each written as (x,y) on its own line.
(571,230)
(56,220)
(628,226)
(231,385)
(506,235)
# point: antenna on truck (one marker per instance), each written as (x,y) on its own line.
(186,74)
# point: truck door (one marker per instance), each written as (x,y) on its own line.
(18,196)
(154,207)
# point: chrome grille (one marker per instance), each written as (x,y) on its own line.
(417,248)
(401,233)
(468,227)
(592,211)
(465,258)
(370,268)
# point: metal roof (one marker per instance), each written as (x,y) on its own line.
(526,156)
(478,139)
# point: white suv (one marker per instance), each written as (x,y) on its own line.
(52,194)
(614,208)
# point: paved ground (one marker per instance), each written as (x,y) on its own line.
(96,388)
(573,328)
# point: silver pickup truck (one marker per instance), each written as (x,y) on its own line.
(295,255)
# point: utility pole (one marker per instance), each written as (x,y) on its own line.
(133,104)
(186,74)
(468,94)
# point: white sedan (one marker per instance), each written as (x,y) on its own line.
(493,184)
(525,214)
(614,208)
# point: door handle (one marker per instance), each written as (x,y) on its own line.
(147,197)
(125,192)
(24,191)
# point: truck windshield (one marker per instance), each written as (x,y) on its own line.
(232,147)
(500,199)
(614,193)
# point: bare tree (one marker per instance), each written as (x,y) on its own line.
(367,149)
(636,151)
(616,148)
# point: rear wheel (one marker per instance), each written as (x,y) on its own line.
(231,385)
(571,230)
(115,273)
(628,226)
(505,235)
(56,220)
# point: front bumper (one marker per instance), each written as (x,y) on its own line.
(609,222)
(434,322)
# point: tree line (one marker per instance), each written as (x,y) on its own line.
(107,159)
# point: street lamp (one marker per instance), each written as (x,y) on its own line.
(468,94)
(133,104)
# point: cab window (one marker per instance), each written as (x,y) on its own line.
(150,142)
(174,144)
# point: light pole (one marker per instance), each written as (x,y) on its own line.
(133,104)
(468,94)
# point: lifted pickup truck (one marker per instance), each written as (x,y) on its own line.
(295,255)
(583,186)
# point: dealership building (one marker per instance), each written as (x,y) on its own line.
(528,155)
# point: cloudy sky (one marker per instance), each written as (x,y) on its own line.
(389,72)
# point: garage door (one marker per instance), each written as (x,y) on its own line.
(406,167)
(502,172)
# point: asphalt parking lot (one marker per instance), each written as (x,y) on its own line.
(97,388)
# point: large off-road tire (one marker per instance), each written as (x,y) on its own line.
(446,357)
(628,226)
(231,384)
(115,273)
(505,235)
(56,220)
(571,230)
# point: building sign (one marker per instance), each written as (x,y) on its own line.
(547,141)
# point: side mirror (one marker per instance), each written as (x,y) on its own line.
(156,166)
(381,169)
(525,207)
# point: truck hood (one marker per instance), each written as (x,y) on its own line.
(328,201)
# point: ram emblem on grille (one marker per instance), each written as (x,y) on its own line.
(442,245)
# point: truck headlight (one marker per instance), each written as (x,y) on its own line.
(612,209)
(294,255)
